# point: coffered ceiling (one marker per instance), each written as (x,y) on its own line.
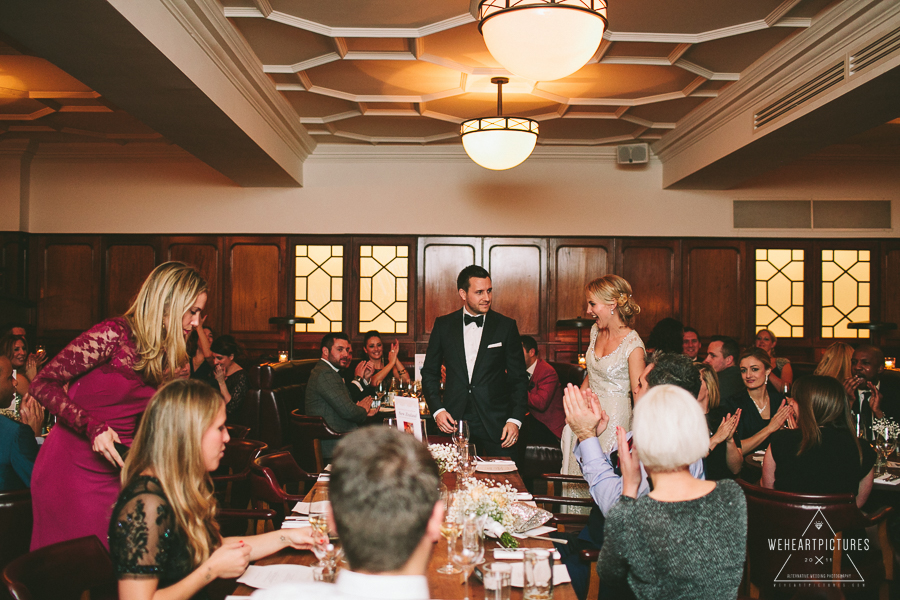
(406,72)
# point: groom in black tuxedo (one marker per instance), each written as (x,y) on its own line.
(487,384)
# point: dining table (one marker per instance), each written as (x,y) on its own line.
(446,587)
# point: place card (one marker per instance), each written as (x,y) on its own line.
(269,576)
(408,418)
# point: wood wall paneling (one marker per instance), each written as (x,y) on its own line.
(126,268)
(518,268)
(256,285)
(204,253)
(655,276)
(890,286)
(69,280)
(715,300)
(574,263)
(439,262)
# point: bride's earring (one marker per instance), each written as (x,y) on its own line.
(612,311)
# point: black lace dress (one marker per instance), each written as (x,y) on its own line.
(144,539)
(237,384)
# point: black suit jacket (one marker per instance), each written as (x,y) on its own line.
(499,383)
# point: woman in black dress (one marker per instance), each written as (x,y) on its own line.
(200,361)
(230,376)
(163,538)
(724,459)
(763,409)
(822,455)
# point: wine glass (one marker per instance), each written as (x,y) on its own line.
(468,548)
(468,460)
(318,520)
(461,433)
(885,442)
(449,529)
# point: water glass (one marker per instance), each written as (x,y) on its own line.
(468,548)
(497,581)
(461,433)
(323,573)
(538,575)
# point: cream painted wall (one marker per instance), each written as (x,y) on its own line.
(423,191)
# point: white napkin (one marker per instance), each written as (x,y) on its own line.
(560,575)
(324,477)
(269,576)
(533,532)
(495,466)
(888,479)
(893,465)
(516,554)
(303,507)
(523,496)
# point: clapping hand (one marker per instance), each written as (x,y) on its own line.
(780,417)
(583,413)
(32,414)
(875,400)
(726,429)
(629,465)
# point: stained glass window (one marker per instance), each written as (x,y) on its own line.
(319,285)
(845,292)
(779,291)
(383,284)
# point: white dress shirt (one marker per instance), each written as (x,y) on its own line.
(352,586)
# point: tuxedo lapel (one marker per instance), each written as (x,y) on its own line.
(457,342)
(490,327)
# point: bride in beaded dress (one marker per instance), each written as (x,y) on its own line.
(615,361)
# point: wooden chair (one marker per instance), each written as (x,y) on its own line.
(775,515)
(269,476)
(62,571)
(307,434)
(232,478)
(15,525)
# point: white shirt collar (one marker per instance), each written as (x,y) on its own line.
(389,587)
(531,369)
(336,370)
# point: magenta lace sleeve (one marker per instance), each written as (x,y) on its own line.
(92,348)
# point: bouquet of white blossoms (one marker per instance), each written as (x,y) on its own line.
(879,426)
(493,502)
(446,456)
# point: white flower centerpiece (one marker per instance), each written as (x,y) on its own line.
(879,426)
(494,503)
(446,456)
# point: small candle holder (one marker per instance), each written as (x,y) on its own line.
(582,361)
(890,362)
(282,356)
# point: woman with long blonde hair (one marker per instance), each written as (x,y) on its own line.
(98,387)
(836,361)
(163,538)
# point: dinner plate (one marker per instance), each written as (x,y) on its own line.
(496,467)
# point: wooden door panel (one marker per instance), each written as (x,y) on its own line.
(714,304)
(67,287)
(651,271)
(127,266)
(890,308)
(255,287)
(439,265)
(516,274)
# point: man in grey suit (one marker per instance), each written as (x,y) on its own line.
(327,395)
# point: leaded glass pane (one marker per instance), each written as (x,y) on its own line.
(845,292)
(319,282)
(779,291)
(384,275)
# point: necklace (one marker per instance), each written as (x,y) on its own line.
(763,407)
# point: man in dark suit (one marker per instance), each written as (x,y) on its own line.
(870,392)
(18,446)
(722,355)
(327,395)
(486,379)
(545,396)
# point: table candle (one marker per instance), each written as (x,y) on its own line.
(282,356)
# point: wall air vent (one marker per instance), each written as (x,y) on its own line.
(875,52)
(800,95)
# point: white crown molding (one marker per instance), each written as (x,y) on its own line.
(837,32)
(706,73)
(350,32)
(230,52)
(304,65)
(699,38)
(354,55)
(780,11)
(331,118)
(452,152)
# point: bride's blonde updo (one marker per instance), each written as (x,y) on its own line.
(612,288)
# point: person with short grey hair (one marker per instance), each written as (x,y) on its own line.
(386,509)
(647,539)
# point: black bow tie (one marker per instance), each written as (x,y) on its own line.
(479,320)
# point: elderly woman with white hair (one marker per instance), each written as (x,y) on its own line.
(687,538)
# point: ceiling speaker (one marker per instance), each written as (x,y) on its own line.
(632,154)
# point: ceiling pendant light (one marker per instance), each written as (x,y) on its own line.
(542,40)
(499,142)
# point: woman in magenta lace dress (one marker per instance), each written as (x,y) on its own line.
(111,371)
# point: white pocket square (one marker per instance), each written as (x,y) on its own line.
(497,345)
